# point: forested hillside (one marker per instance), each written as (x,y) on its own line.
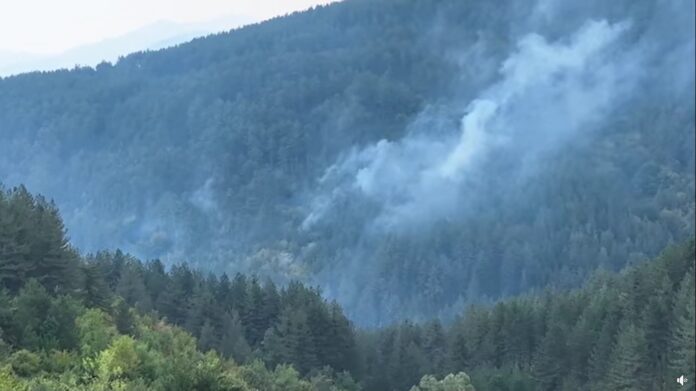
(109,322)
(409,156)
(633,331)
(68,323)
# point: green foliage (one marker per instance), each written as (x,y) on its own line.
(8,380)
(32,305)
(629,363)
(33,244)
(123,316)
(59,361)
(601,337)
(550,364)
(504,379)
(120,360)
(25,363)
(631,331)
(230,317)
(161,358)
(232,342)
(205,150)
(683,350)
(451,382)
(328,380)
(96,331)
(282,378)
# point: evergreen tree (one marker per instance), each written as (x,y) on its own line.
(156,279)
(232,342)
(8,332)
(208,338)
(14,218)
(602,350)
(434,348)
(32,305)
(549,364)
(683,343)
(629,364)
(62,314)
(131,287)
(54,263)
(123,317)
(655,322)
(96,290)
(459,352)
(256,322)
(271,304)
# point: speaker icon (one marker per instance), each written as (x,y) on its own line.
(681,380)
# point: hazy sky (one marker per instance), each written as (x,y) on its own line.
(52,26)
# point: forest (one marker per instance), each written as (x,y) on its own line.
(371,195)
(112,322)
(309,147)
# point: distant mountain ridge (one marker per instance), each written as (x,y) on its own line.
(158,35)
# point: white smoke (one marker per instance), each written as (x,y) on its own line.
(204,197)
(547,92)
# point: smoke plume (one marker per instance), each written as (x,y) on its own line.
(547,92)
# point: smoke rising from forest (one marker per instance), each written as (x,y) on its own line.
(409,157)
(547,92)
(559,86)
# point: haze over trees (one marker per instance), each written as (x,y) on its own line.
(112,322)
(70,323)
(404,145)
(376,195)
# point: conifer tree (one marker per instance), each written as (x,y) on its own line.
(232,342)
(629,364)
(549,363)
(683,343)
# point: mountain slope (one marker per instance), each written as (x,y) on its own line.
(633,330)
(70,323)
(345,146)
(104,322)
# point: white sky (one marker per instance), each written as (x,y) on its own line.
(52,26)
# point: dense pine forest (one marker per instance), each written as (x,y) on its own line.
(111,322)
(372,195)
(320,147)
